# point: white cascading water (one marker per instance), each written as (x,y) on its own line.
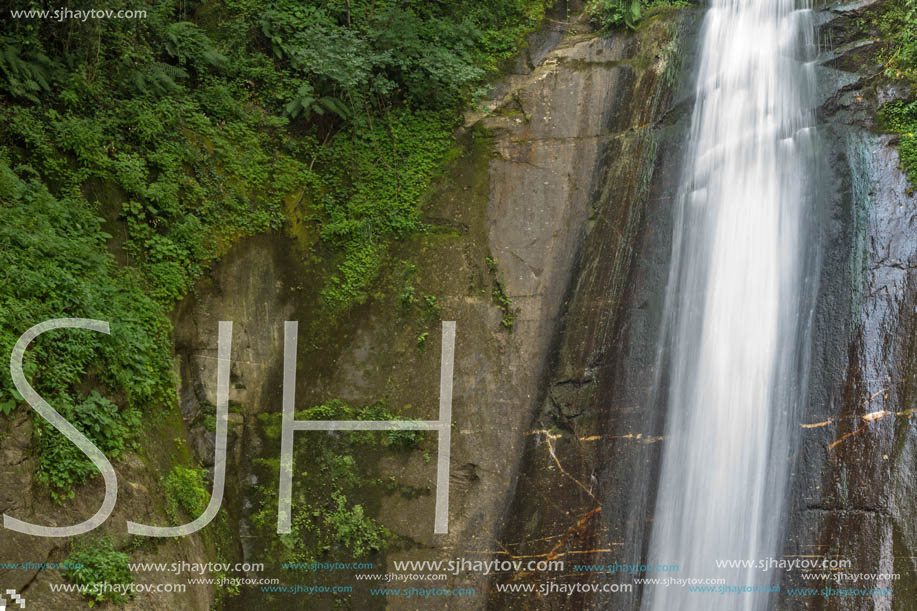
(731,363)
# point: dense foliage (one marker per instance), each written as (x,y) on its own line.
(898,26)
(609,14)
(102,570)
(326,520)
(164,139)
(186,488)
(901,117)
(54,262)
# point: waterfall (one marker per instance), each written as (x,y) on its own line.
(732,352)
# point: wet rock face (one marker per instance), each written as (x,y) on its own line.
(853,487)
(586,485)
(594,448)
(253,287)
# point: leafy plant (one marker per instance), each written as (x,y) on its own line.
(897,22)
(61,464)
(610,13)
(305,103)
(186,489)
(27,72)
(101,565)
(378,172)
(325,519)
(339,410)
(53,254)
(189,46)
(353,529)
(407,296)
(499,295)
(901,117)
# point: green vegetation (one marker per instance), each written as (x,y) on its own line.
(505,304)
(101,564)
(407,295)
(897,23)
(433,311)
(52,251)
(328,475)
(500,299)
(370,196)
(186,488)
(61,464)
(614,13)
(136,151)
(901,117)
(223,534)
(336,409)
(425,311)
(608,14)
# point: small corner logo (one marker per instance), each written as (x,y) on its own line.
(16,599)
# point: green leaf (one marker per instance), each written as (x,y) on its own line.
(632,13)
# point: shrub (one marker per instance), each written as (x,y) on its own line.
(186,489)
(102,565)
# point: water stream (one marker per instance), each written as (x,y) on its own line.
(732,357)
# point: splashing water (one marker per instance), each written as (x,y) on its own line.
(731,365)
